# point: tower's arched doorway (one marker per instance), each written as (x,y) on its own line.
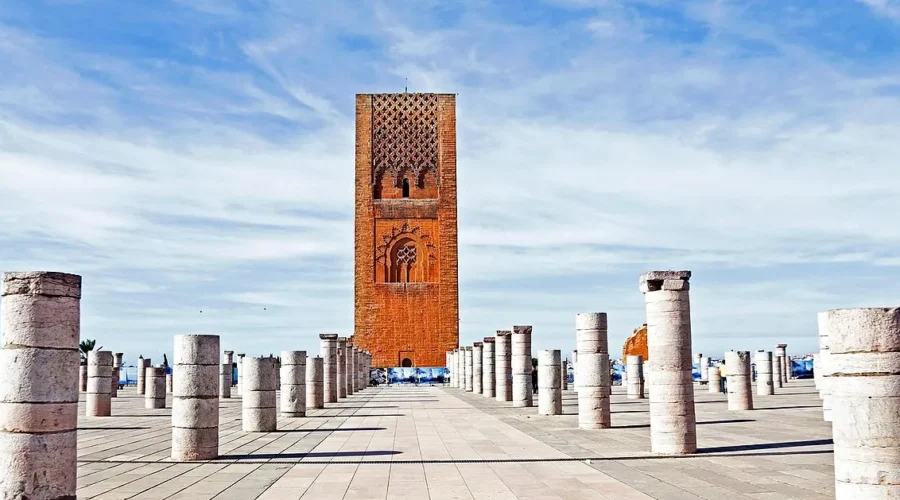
(406,363)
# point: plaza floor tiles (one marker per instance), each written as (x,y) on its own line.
(443,443)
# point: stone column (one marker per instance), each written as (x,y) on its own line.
(99,371)
(258,402)
(315,389)
(704,368)
(116,375)
(488,376)
(155,395)
(195,398)
(564,375)
(781,351)
(225,375)
(523,394)
(82,376)
(39,367)
(142,365)
(328,346)
(673,424)
(356,371)
(351,371)
(863,379)
(503,365)
(477,367)
(461,368)
(779,372)
(240,369)
(549,386)
(715,379)
(765,385)
(341,357)
(634,372)
(469,370)
(293,383)
(593,398)
(169,383)
(820,367)
(591,337)
(739,387)
(575,369)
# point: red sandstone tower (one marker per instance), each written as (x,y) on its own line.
(406,283)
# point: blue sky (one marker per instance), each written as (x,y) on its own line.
(196,156)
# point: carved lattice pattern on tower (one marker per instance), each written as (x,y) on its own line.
(404,136)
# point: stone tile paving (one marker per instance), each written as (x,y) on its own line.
(442,443)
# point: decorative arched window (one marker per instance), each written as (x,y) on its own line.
(406,188)
(403,267)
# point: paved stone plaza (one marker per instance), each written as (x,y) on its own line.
(442,443)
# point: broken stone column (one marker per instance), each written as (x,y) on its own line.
(781,352)
(820,367)
(82,377)
(99,371)
(564,375)
(779,369)
(503,365)
(673,424)
(39,367)
(356,371)
(328,346)
(469,369)
(460,359)
(116,375)
(240,369)
(142,365)
(740,393)
(549,386)
(488,380)
(591,337)
(523,393)
(477,367)
(258,402)
(575,369)
(315,388)
(155,395)
(593,398)
(765,384)
(195,398)
(225,375)
(704,368)
(351,371)
(293,383)
(341,372)
(715,379)
(634,374)
(169,383)
(454,370)
(863,380)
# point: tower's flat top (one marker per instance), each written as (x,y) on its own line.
(407,93)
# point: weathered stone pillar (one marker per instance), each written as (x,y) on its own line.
(341,356)
(564,374)
(673,424)
(155,395)
(99,371)
(258,401)
(240,369)
(523,394)
(488,375)
(315,389)
(593,398)
(469,369)
(169,383)
(454,372)
(39,366)
(779,372)
(575,368)
(781,351)
(549,386)
(328,347)
(715,379)
(739,387)
(704,368)
(82,377)
(820,367)
(477,367)
(459,357)
(503,365)
(765,384)
(195,398)
(864,381)
(351,370)
(225,375)
(114,379)
(698,358)
(363,373)
(591,337)
(356,370)
(142,365)
(634,373)
(293,383)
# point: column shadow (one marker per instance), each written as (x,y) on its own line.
(765,446)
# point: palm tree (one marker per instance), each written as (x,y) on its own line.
(86,346)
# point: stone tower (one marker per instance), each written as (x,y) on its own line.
(406,284)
